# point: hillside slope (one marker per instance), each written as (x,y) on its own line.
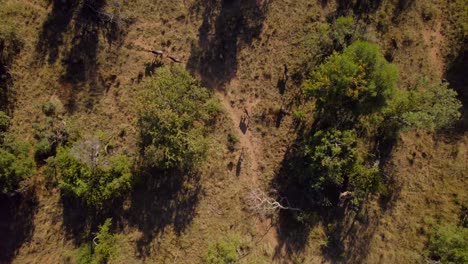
(91,66)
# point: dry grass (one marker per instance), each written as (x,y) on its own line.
(430,173)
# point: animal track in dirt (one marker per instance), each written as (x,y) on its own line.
(249,170)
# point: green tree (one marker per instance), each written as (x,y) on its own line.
(336,164)
(94,183)
(102,250)
(449,244)
(15,165)
(433,108)
(173,119)
(359,81)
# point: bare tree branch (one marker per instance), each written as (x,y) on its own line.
(259,202)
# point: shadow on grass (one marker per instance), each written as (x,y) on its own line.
(458,80)
(349,229)
(162,200)
(227,27)
(16,223)
(80,23)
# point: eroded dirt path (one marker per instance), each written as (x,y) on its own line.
(248,143)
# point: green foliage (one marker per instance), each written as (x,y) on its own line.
(335,164)
(359,80)
(223,251)
(342,31)
(95,184)
(4,121)
(43,150)
(48,108)
(105,249)
(323,38)
(433,108)
(449,244)
(173,119)
(232,142)
(15,165)
(85,254)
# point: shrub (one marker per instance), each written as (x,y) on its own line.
(232,142)
(449,244)
(173,119)
(43,150)
(103,251)
(223,251)
(342,31)
(359,80)
(95,183)
(4,121)
(48,108)
(336,165)
(15,166)
(433,108)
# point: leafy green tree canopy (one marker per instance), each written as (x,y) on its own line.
(358,80)
(449,244)
(433,108)
(335,164)
(95,183)
(173,119)
(15,165)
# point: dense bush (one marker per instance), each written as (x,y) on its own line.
(449,244)
(15,165)
(223,251)
(103,251)
(94,183)
(48,108)
(335,165)
(173,119)
(358,81)
(43,150)
(434,107)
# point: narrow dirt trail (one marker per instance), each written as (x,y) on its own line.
(434,39)
(250,172)
(251,147)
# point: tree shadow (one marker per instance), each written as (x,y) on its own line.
(82,22)
(456,76)
(349,228)
(53,30)
(161,200)
(77,219)
(9,48)
(228,26)
(360,8)
(16,223)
